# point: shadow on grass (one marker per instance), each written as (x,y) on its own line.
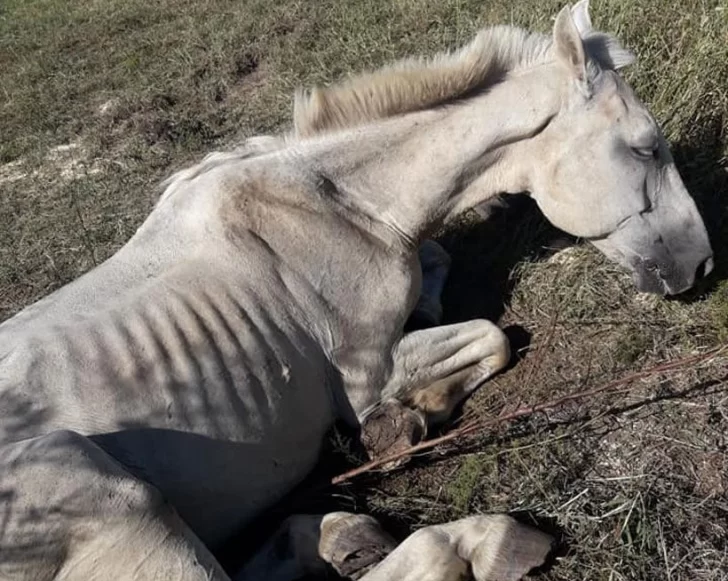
(484,254)
(704,168)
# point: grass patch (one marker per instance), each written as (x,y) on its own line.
(633,345)
(719,311)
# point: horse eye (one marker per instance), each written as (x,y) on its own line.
(645,153)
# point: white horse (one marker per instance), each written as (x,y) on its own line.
(153,407)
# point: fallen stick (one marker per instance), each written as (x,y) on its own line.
(478,425)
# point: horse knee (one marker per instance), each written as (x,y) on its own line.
(494,347)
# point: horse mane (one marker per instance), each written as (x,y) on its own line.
(414,83)
(411,84)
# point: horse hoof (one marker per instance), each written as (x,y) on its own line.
(391,428)
(353,544)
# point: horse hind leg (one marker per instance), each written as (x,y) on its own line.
(484,547)
(311,545)
(488,547)
(71,512)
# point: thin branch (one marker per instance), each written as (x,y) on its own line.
(479,425)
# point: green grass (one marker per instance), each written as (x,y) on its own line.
(461,488)
(636,491)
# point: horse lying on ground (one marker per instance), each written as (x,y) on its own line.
(153,407)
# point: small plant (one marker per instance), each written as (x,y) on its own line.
(461,489)
(631,346)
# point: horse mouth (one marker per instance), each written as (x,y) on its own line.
(649,282)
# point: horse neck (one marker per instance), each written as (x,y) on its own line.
(411,173)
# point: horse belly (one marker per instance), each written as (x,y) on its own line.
(222,473)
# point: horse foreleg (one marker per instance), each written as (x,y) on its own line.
(435,369)
(70,512)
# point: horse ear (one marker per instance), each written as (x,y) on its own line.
(569,46)
(580,14)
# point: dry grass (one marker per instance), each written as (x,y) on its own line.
(635,483)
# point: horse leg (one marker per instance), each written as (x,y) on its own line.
(435,369)
(435,264)
(488,547)
(492,547)
(70,512)
(306,545)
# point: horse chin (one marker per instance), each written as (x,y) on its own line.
(659,281)
(653,268)
(649,281)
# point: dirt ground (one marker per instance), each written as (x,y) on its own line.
(101,100)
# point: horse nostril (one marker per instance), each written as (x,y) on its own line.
(704,268)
